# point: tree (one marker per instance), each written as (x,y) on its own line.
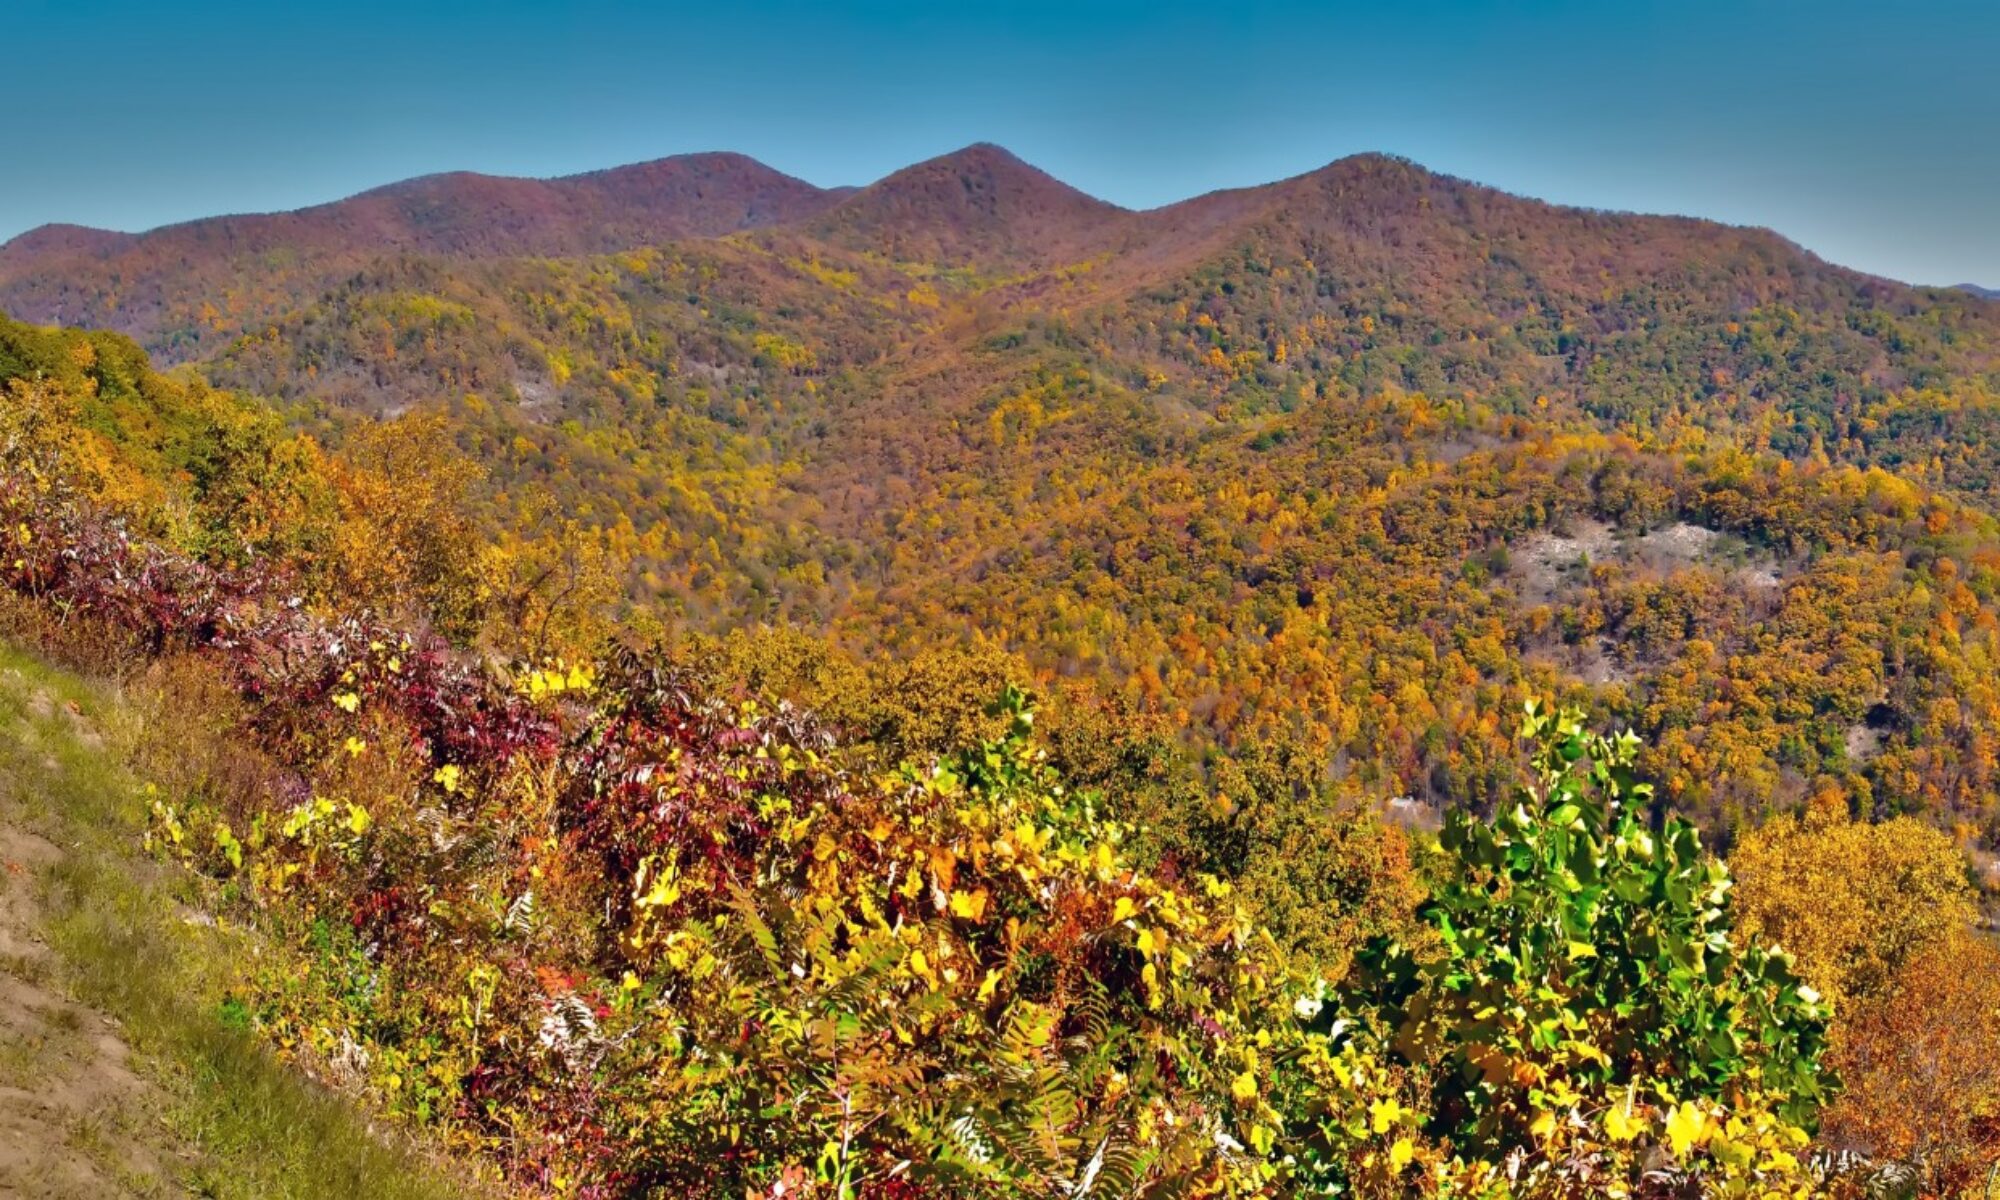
(1584,1005)
(1322,875)
(1852,901)
(1921,1064)
(406,530)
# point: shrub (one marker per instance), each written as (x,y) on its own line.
(1585,1008)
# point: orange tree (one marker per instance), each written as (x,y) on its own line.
(1884,920)
(1921,1068)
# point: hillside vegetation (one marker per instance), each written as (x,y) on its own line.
(130,1069)
(953,688)
(1360,459)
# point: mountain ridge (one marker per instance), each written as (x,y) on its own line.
(1007,179)
(692,194)
(182,289)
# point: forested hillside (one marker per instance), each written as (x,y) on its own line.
(1355,460)
(952,687)
(634,925)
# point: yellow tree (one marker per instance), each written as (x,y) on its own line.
(1852,901)
(406,533)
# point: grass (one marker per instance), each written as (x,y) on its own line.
(239,1122)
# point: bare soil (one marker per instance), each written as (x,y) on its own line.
(75,1120)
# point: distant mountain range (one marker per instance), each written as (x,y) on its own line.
(1984,292)
(462,213)
(1340,455)
(980,206)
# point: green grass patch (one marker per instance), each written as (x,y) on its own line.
(131,945)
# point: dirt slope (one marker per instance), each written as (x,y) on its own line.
(75,1119)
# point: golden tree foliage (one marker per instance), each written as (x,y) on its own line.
(1921,1065)
(1852,901)
(405,531)
(550,586)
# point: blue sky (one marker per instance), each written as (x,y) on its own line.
(1868,131)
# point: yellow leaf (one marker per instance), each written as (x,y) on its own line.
(1401,1153)
(1619,1123)
(347,702)
(971,907)
(1687,1127)
(1123,909)
(1383,1115)
(1544,1126)
(1244,1087)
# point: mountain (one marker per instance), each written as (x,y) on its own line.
(976,204)
(132,281)
(979,207)
(1354,459)
(1984,293)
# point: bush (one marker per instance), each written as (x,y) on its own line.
(1584,1014)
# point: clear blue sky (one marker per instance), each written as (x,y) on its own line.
(1868,130)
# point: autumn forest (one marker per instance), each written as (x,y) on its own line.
(694,683)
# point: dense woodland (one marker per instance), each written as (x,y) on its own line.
(954,688)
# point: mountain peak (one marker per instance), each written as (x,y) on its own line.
(699,165)
(990,177)
(987,158)
(683,195)
(1375,173)
(979,203)
(1376,162)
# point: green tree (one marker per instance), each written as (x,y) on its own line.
(1585,994)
